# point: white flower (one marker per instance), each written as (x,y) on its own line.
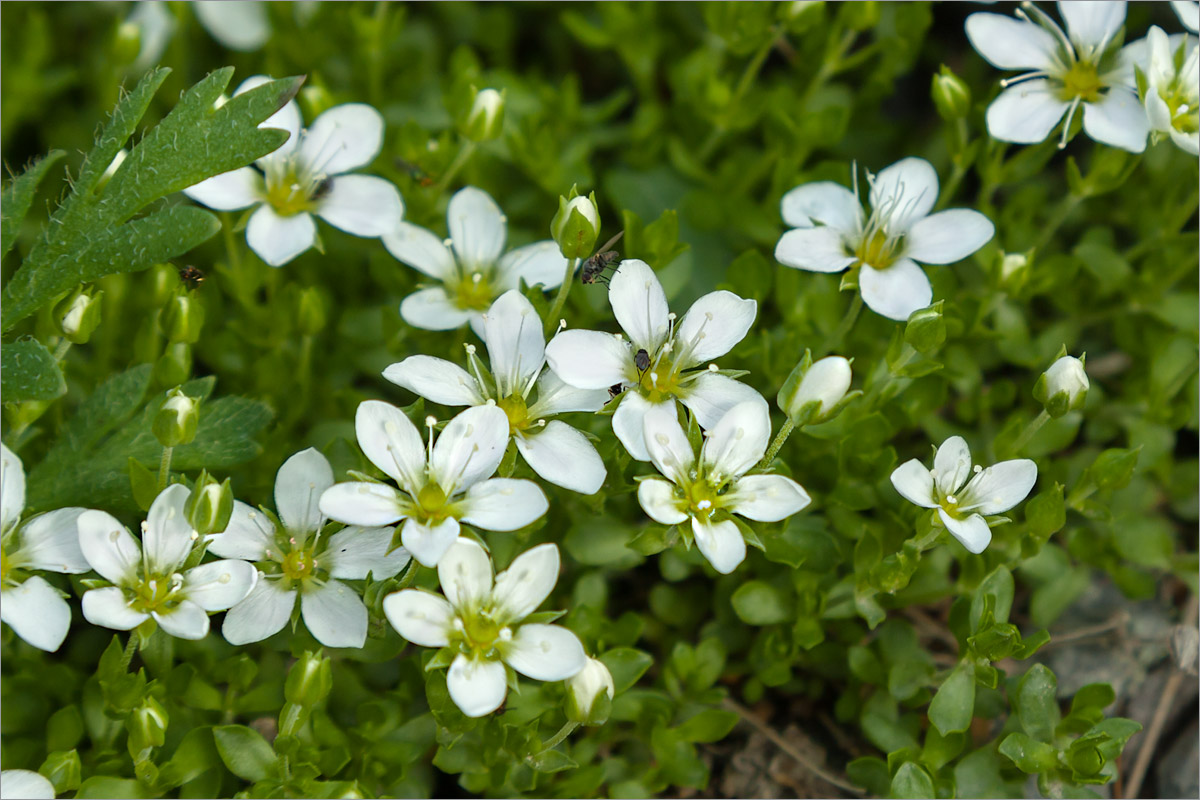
(299,565)
(34,609)
(480,619)
(1172,69)
(1188,12)
(147,577)
(512,333)
(657,364)
(960,505)
(306,176)
(438,490)
(1066,70)
(471,265)
(710,489)
(241,26)
(24,784)
(829,234)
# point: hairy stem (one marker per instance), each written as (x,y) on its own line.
(560,299)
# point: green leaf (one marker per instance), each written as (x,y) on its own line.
(710,725)
(911,781)
(1036,706)
(999,585)
(194,756)
(18,196)
(29,372)
(552,761)
(245,752)
(1030,756)
(105,786)
(759,603)
(626,665)
(953,706)
(1047,513)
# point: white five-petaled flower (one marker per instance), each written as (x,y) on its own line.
(34,609)
(149,578)
(1065,70)
(830,234)
(709,489)
(481,620)
(471,265)
(298,564)
(961,497)
(25,784)
(450,484)
(516,346)
(1171,65)
(657,364)
(306,176)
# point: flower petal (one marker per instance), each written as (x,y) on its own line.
(12,488)
(109,608)
(353,552)
(545,652)
(264,613)
(906,191)
(767,498)
(667,443)
(428,544)
(721,543)
(639,305)
(390,440)
(334,614)
(436,379)
(465,574)
(1025,113)
(51,542)
(897,291)
(229,191)
(362,205)
(108,547)
(1091,23)
(515,343)
(343,138)
(469,449)
(420,617)
(248,535)
(362,503)
(1000,487)
(973,531)
(710,396)
(739,440)
(628,423)
(814,249)
(299,484)
(37,613)
(25,784)
(219,585)
(914,483)
(526,583)
(951,465)
(660,502)
(538,263)
(239,26)
(432,310)
(823,202)
(277,240)
(1008,43)
(421,250)
(476,686)
(563,456)
(477,228)
(590,359)
(286,119)
(185,621)
(1188,12)
(714,324)
(1118,120)
(503,504)
(556,397)
(168,537)
(948,236)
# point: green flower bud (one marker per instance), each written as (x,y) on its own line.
(63,769)
(175,422)
(814,392)
(576,225)
(310,312)
(1063,387)
(590,694)
(485,120)
(174,366)
(315,100)
(183,318)
(309,680)
(210,505)
(147,725)
(1012,269)
(79,315)
(926,329)
(950,94)
(127,43)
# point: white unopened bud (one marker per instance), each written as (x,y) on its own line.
(485,117)
(1063,387)
(821,388)
(576,225)
(586,688)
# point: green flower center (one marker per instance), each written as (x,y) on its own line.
(703,501)
(474,292)
(1082,81)
(299,564)
(157,592)
(515,408)
(1183,107)
(6,566)
(481,632)
(877,250)
(293,190)
(432,500)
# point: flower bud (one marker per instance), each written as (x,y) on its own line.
(315,100)
(486,118)
(813,393)
(210,505)
(183,318)
(1012,269)
(63,769)
(950,94)
(926,329)
(175,422)
(1063,387)
(309,680)
(147,725)
(174,366)
(127,42)
(79,315)
(590,694)
(310,312)
(576,225)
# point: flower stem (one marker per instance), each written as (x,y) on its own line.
(409,575)
(60,351)
(780,438)
(164,468)
(835,339)
(557,739)
(460,161)
(1027,434)
(748,75)
(130,647)
(561,298)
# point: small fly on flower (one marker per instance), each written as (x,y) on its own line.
(595,267)
(641,360)
(190,276)
(415,172)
